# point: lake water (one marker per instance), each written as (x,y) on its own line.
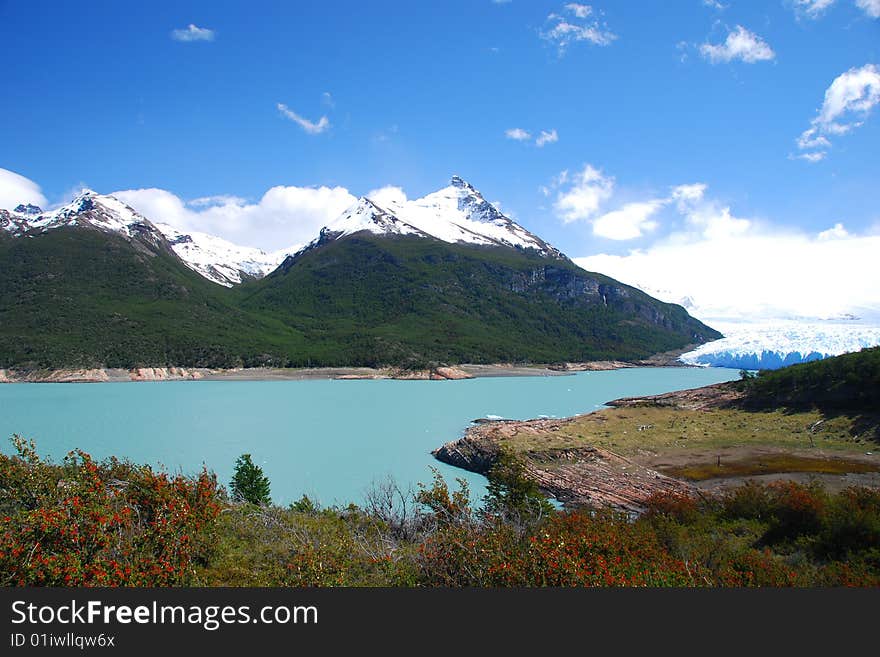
(328,439)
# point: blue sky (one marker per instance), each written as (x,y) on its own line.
(653,96)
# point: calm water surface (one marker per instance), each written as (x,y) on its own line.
(328,439)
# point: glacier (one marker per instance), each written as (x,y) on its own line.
(766,336)
(771,344)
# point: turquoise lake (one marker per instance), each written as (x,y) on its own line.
(327,439)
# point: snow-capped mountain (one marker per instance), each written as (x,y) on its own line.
(88,209)
(219,260)
(455,214)
(367,216)
(214,258)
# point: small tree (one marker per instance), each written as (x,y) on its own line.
(512,496)
(249,484)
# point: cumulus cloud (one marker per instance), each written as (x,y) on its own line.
(740,44)
(705,217)
(585,196)
(800,275)
(16,189)
(580,195)
(836,232)
(870,7)
(848,102)
(546,137)
(193,33)
(723,266)
(629,222)
(388,196)
(517,134)
(576,23)
(283,217)
(310,127)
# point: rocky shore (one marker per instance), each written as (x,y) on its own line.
(441,373)
(576,476)
(678,442)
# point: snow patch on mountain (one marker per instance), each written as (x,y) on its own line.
(778,343)
(221,261)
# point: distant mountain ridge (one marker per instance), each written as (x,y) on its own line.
(216,259)
(442,279)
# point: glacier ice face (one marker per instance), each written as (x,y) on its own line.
(772,344)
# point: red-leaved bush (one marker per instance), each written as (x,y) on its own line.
(84,523)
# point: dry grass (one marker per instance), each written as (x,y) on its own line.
(652,430)
(770,464)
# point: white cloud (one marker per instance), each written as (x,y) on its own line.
(714,4)
(722,266)
(740,44)
(811,8)
(518,134)
(580,11)
(584,196)
(310,127)
(16,189)
(388,196)
(193,33)
(705,217)
(756,273)
(812,158)
(583,193)
(836,232)
(853,92)
(579,25)
(629,222)
(327,99)
(219,199)
(848,101)
(687,195)
(546,138)
(283,217)
(870,7)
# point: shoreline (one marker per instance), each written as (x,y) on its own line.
(690,442)
(443,373)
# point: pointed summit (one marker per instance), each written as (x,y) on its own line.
(458,181)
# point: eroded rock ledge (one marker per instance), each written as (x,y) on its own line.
(581,476)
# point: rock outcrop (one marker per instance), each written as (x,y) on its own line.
(163,373)
(580,476)
(718,395)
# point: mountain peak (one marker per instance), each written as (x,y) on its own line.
(461,183)
(457,213)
